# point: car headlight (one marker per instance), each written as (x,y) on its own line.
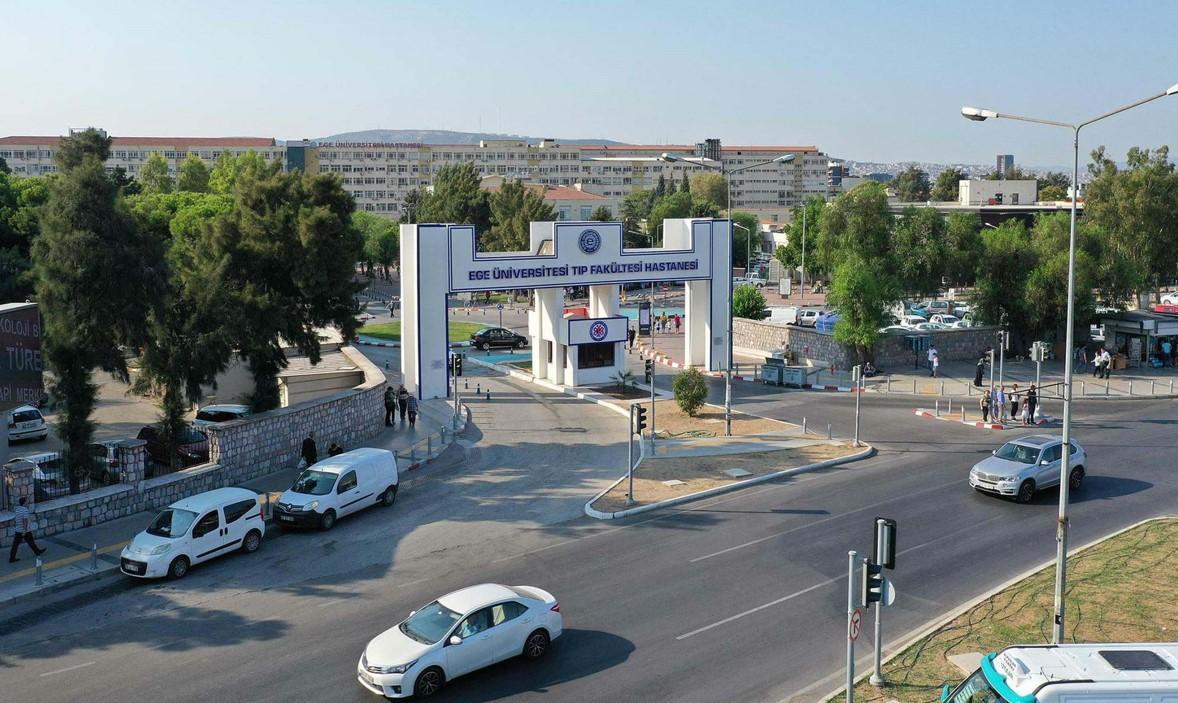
(159,549)
(398,669)
(312,505)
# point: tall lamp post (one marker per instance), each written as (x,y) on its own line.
(748,246)
(727,172)
(1061,531)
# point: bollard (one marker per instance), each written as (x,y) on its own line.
(386,363)
(488,394)
(268,513)
(1171,386)
(442,430)
(1153,387)
(1130,388)
(465,385)
(1106,388)
(478,388)
(828,430)
(429,446)
(1083,389)
(803,425)
(914,386)
(950,410)
(38,571)
(94,557)
(942,388)
(963,414)
(889,383)
(938,407)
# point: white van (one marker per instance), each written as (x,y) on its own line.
(195,529)
(338,486)
(1070,673)
(26,422)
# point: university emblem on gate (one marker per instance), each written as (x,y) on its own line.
(590,241)
(597,331)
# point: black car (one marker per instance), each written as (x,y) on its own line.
(497,337)
(192,446)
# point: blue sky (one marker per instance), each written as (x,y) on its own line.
(862,80)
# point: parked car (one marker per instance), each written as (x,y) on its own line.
(1022,466)
(754,281)
(26,422)
(935,307)
(212,414)
(339,486)
(497,337)
(930,326)
(192,447)
(911,321)
(787,315)
(809,318)
(106,461)
(945,319)
(1170,299)
(894,329)
(195,529)
(459,633)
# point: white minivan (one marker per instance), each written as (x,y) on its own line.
(195,529)
(338,486)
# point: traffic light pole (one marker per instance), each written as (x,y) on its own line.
(630,459)
(877,678)
(858,373)
(852,561)
(651,410)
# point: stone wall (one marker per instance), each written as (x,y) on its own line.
(239,451)
(891,351)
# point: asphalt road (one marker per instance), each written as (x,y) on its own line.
(738,598)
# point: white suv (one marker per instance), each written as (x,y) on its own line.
(1022,466)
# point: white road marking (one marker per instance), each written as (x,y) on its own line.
(759,608)
(68,668)
(818,522)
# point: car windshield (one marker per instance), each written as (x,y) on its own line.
(430,624)
(171,522)
(975,689)
(312,482)
(1018,452)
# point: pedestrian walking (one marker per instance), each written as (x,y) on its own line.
(631,333)
(985,406)
(1000,404)
(403,400)
(1015,397)
(335,450)
(1032,401)
(412,406)
(936,364)
(1106,362)
(310,453)
(24,531)
(1026,414)
(981,369)
(932,351)
(390,406)
(678,322)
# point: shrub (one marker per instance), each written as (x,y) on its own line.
(749,303)
(690,390)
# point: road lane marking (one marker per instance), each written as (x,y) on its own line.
(68,668)
(820,522)
(759,608)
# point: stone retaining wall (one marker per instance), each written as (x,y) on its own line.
(891,351)
(239,451)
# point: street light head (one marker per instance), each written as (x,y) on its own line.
(668,158)
(977,114)
(1173,89)
(785,158)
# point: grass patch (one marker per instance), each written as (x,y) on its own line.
(1118,591)
(459,331)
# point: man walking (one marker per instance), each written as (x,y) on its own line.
(411,404)
(403,400)
(24,531)
(1106,362)
(631,333)
(936,364)
(932,352)
(1032,401)
(390,406)
(310,452)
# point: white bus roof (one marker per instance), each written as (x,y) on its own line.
(1103,666)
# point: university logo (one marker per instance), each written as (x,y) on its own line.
(590,241)
(598,330)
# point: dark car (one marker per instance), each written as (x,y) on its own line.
(192,448)
(497,337)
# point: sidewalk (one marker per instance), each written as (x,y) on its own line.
(92,553)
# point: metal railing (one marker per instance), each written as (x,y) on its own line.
(52,479)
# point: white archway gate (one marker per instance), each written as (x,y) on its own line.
(440,259)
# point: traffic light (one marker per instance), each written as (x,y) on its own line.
(873,583)
(639,418)
(649,370)
(457,364)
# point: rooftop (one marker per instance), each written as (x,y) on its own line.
(472,597)
(149,141)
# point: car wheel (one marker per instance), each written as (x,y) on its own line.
(485,346)
(1025,492)
(429,682)
(327,521)
(389,497)
(521,344)
(536,645)
(1076,478)
(178,568)
(253,540)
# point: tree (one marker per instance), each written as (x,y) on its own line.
(1013,174)
(633,212)
(690,389)
(963,247)
(858,222)
(660,189)
(411,206)
(911,185)
(513,208)
(92,286)
(746,239)
(685,184)
(602,214)
(223,177)
(457,198)
(1055,179)
(154,175)
(862,292)
(947,185)
(20,204)
(668,207)
(748,302)
(126,183)
(702,208)
(918,242)
(4,166)
(1006,261)
(382,240)
(1052,193)
(804,229)
(194,175)
(711,186)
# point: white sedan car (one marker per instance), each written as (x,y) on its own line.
(459,633)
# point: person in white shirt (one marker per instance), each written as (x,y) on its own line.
(932,352)
(1106,361)
(24,531)
(1000,404)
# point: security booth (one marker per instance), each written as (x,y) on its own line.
(1134,336)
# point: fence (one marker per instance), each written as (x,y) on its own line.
(52,479)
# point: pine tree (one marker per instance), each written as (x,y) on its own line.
(685,185)
(661,188)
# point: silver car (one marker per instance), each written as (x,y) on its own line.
(1025,465)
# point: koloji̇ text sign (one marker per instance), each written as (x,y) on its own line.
(584,253)
(20,354)
(585,330)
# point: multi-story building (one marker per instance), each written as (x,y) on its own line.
(33,156)
(380,175)
(1004,164)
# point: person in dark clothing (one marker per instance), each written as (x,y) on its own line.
(631,333)
(335,450)
(1032,401)
(411,404)
(310,452)
(985,406)
(403,401)
(981,369)
(390,407)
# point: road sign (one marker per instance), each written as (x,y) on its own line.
(887,593)
(855,626)
(499,306)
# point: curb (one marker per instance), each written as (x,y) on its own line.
(443,447)
(919,633)
(600,515)
(931,414)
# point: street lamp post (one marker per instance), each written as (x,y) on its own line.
(1061,532)
(727,173)
(748,246)
(803,296)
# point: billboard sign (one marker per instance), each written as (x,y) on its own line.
(20,354)
(597,330)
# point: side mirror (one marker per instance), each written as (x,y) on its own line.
(455,640)
(1044,463)
(412,613)
(945,691)
(994,452)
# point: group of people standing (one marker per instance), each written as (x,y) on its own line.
(399,400)
(667,324)
(1003,406)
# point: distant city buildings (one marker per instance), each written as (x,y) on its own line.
(1004,164)
(1004,192)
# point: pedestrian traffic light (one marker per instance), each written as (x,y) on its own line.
(457,364)
(639,418)
(873,583)
(649,370)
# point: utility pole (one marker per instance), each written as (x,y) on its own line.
(857,378)
(852,613)
(652,365)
